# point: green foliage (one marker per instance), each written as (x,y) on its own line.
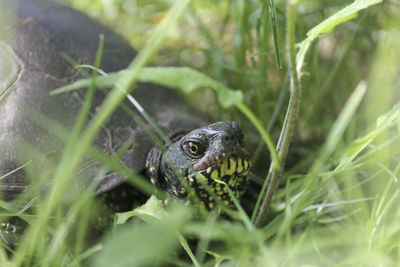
(147,244)
(338,197)
(151,210)
(357,146)
(327,26)
(185,79)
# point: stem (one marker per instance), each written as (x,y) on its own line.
(274,28)
(291,116)
(186,247)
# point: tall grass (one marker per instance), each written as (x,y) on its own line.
(335,200)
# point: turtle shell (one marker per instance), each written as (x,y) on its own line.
(33,44)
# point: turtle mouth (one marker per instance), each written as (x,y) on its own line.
(228,166)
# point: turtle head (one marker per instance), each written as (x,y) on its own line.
(203,156)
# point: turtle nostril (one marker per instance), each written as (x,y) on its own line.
(232,135)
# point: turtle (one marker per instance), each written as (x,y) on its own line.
(39,37)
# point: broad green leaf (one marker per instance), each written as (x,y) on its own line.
(327,26)
(188,80)
(185,79)
(152,209)
(142,243)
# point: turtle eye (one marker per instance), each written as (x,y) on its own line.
(194,148)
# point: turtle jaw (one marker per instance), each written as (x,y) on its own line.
(212,159)
(225,167)
(231,169)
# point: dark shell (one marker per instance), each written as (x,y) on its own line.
(32,45)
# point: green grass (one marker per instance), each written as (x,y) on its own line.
(336,197)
